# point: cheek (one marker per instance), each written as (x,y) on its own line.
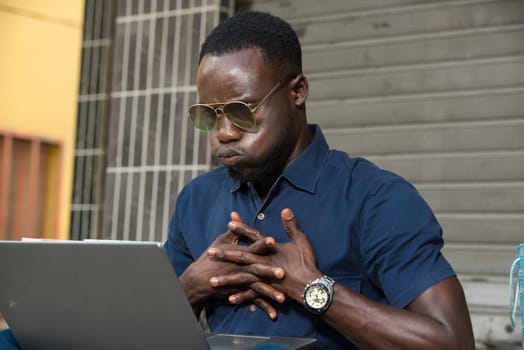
(263,145)
(253,145)
(212,140)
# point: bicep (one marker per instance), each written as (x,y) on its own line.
(445,303)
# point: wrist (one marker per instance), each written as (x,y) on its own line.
(317,295)
(297,290)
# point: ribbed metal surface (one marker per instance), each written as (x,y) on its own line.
(433,90)
(91,132)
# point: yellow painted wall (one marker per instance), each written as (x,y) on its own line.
(40,53)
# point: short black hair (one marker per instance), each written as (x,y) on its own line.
(275,38)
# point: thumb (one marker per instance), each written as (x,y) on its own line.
(236,216)
(290,223)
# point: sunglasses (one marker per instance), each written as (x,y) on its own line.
(205,116)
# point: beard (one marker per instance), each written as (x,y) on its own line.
(270,168)
(273,166)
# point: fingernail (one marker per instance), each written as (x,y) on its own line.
(281,298)
(279,273)
(211,251)
(233,299)
(288,214)
(214,281)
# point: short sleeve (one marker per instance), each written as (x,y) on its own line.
(401,242)
(175,246)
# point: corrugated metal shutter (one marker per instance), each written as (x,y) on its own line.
(433,90)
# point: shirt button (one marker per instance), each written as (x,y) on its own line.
(252,308)
(261,216)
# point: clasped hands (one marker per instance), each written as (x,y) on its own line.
(263,271)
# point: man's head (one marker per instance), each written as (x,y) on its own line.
(253,59)
(275,38)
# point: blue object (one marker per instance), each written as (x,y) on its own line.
(370,229)
(271,346)
(516,288)
(8,341)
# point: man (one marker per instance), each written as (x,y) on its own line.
(290,238)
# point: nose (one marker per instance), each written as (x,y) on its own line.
(225,130)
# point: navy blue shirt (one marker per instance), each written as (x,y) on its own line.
(370,229)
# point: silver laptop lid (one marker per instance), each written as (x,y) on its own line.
(92,295)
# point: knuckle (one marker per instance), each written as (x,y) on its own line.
(244,278)
(255,286)
(240,228)
(261,303)
(219,253)
(250,294)
(241,256)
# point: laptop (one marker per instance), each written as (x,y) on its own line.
(105,295)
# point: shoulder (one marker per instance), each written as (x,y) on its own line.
(362,173)
(209,178)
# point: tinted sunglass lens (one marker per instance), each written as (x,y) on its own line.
(203,117)
(240,115)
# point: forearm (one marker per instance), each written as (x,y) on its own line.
(374,326)
(371,325)
(189,284)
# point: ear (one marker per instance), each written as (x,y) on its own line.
(300,90)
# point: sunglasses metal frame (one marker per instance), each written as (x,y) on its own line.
(218,108)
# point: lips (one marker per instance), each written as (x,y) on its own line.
(228,157)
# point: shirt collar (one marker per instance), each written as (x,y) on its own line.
(303,172)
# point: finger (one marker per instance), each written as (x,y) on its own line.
(236,216)
(262,246)
(242,229)
(243,296)
(234,279)
(267,290)
(239,256)
(251,295)
(266,307)
(265,271)
(227,237)
(290,223)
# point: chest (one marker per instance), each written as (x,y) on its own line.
(329,217)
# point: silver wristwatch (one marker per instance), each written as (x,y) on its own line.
(318,294)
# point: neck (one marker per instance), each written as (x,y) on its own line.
(263,185)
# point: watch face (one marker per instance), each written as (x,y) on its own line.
(316,296)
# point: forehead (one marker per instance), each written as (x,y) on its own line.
(234,75)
